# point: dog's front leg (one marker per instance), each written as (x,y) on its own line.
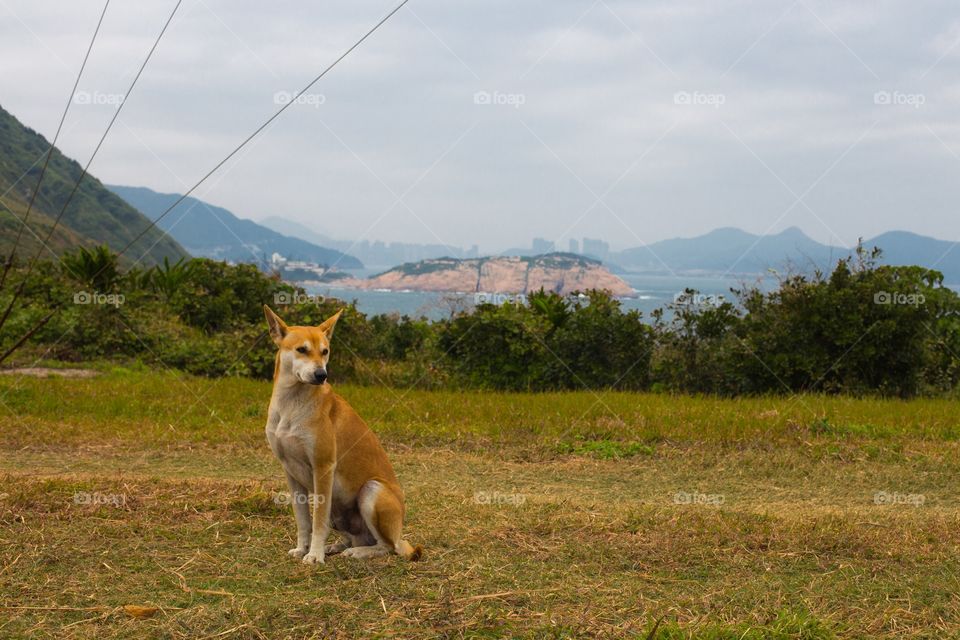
(300,498)
(322,497)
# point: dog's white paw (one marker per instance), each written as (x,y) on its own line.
(362,553)
(313,558)
(297,553)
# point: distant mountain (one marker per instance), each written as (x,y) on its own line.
(302,231)
(374,253)
(214,232)
(733,250)
(736,251)
(94,216)
(903,247)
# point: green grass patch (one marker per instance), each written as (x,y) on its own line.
(606,449)
(165,407)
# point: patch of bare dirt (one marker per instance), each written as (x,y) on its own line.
(46,372)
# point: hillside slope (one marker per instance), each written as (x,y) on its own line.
(215,232)
(94,216)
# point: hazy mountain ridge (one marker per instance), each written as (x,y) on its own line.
(905,247)
(214,232)
(731,250)
(726,250)
(95,215)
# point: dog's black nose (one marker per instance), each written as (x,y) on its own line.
(320,375)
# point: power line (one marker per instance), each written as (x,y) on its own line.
(56,136)
(56,307)
(83,174)
(263,126)
(116,114)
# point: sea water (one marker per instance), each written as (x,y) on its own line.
(651,291)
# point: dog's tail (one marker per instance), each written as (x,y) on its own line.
(408,551)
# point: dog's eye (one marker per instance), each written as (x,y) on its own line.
(302,349)
(325,352)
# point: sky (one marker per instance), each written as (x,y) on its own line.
(494,122)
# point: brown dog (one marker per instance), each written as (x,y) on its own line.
(332,459)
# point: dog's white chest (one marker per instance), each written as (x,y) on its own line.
(293,444)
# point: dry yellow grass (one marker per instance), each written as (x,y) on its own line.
(769,528)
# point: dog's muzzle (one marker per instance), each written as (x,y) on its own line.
(319,376)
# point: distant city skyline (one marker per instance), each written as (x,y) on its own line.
(593,246)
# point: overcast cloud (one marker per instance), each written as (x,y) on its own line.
(629,121)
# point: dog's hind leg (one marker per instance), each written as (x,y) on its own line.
(337,547)
(382,512)
(350,540)
(362,553)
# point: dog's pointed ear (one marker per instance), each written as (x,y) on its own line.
(329,324)
(278,328)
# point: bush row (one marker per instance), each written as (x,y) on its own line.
(863,328)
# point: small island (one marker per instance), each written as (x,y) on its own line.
(563,273)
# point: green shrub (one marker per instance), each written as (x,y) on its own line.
(861,329)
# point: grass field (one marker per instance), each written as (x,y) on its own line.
(551,515)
